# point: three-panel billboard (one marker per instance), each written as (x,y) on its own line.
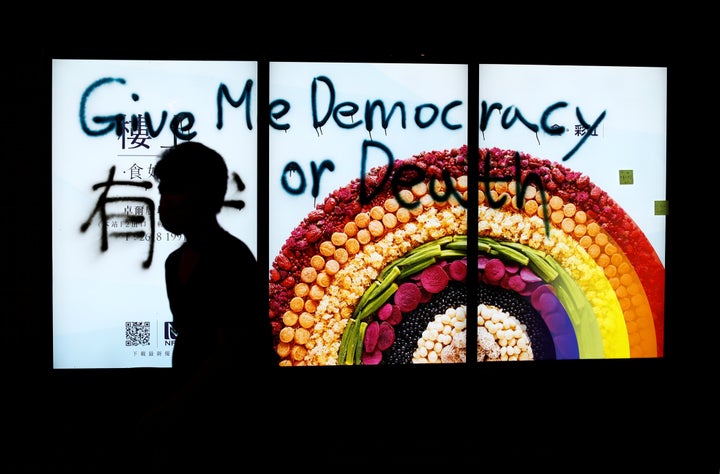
(373,214)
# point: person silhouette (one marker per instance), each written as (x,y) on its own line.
(212,279)
(224,339)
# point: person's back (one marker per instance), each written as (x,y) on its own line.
(215,308)
(224,339)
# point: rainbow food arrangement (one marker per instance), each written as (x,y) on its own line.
(377,273)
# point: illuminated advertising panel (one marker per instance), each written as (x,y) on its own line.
(593,140)
(368,179)
(373,269)
(111,120)
(368,182)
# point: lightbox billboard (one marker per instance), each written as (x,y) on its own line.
(337,151)
(369,223)
(370,200)
(111,120)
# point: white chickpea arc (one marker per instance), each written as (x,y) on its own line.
(444,339)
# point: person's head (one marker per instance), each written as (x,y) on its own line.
(193,180)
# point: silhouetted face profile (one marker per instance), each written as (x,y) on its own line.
(193,182)
(174,212)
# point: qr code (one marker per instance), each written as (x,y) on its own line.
(137,333)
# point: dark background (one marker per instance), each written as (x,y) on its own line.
(579,415)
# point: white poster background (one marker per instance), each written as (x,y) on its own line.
(413,85)
(96,292)
(630,137)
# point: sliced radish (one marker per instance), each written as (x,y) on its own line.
(407,296)
(512,267)
(386,336)
(494,269)
(434,279)
(372,331)
(395,316)
(372,358)
(457,270)
(529,276)
(516,283)
(425,295)
(385,311)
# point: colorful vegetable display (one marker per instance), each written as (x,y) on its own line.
(383,282)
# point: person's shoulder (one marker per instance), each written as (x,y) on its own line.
(227,238)
(234,244)
(173,256)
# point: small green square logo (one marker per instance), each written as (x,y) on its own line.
(626,176)
(661,208)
